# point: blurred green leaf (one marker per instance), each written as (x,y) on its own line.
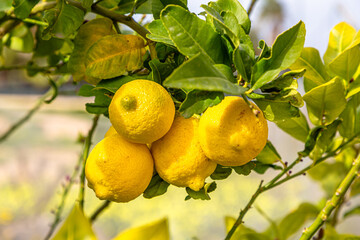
(315,69)
(286,49)
(158,32)
(297,127)
(87,35)
(76,226)
(326,102)
(22,8)
(198,73)
(354,86)
(160,71)
(63,20)
(235,8)
(156,187)
(355,188)
(203,193)
(197,102)
(156,230)
(261,168)
(245,169)
(269,154)
(341,36)
(5,5)
(242,232)
(329,175)
(346,63)
(158,5)
(221,173)
(19,39)
(331,234)
(187,31)
(293,222)
(277,110)
(113,55)
(351,117)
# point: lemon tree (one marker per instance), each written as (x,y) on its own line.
(190,99)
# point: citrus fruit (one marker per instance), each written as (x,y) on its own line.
(110,131)
(179,159)
(141,111)
(118,170)
(231,133)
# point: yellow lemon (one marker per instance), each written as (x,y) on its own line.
(231,133)
(110,131)
(142,111)
(179,159)
(118,170)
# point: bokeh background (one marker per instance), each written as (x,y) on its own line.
(38,158)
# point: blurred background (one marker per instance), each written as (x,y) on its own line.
(37,160)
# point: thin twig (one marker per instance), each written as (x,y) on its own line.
(99,210)
(251,7)
(31,112)
(334,202)
(85,154)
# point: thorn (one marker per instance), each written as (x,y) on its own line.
(304,174)
(286,163)
(301,160)
(290,172)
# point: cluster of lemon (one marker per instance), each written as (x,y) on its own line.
(146,133)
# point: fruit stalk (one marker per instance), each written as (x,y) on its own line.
(334,202)
(84,157)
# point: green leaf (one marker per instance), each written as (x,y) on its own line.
(329,175)
(351,117)
(226,71)
(22,8)
(293,222)
(102,100)
(221,173)
(158,32)
(187,31)
(311,140)
(315,69)
(245,169)
(243,62)
(326,102)
(87,35)
(158,5)
(277,111)
(324,140)
(341,36)
(296,127)
(5,5)
(354,86)
(160,71)
(19,39)
(156,187)
(331,234)
(203,193)
(286,81)
(346,63)
(269,154)
(286,49)
(76,226)
(242,232)
(113,55)
(261,168)
(157,230)
(63,20)
(113,84)
(197,102)
(198,73)
(265,50)
(235,8)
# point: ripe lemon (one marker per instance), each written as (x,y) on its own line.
(110,131)
(231,134)
(119,170)
(142,111)
(179,159)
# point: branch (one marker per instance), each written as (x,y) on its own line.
(251,7)
(31,112)
(334,202)
(84,157)
(99,210)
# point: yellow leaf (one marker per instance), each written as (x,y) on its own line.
(113,55)
(87,35)
(157,230)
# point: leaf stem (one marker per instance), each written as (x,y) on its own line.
(99,210)
(85,154)
(334,202)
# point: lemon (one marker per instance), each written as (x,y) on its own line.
(231,134)
(110,131)
(142,111)
(118,170)
(179,159)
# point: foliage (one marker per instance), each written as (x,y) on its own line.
(200,61)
